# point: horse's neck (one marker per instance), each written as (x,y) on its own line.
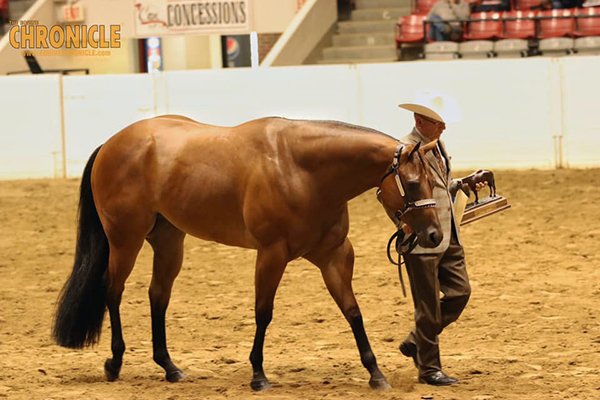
(346,163)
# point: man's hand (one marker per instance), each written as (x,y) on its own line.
(480,185)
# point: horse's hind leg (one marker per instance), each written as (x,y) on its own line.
(167,242)
(270,264)
(121,261)
(337,266)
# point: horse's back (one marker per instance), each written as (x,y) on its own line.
(196,175)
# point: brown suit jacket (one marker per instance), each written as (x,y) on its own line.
(443,191)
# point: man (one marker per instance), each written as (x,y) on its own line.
(447,10)
(439,269)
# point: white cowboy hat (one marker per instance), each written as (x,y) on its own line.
(422,110)
(435,105)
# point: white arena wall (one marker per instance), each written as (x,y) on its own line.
(511,109)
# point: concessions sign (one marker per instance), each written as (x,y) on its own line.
(192,17)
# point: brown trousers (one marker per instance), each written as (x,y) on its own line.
(429,274)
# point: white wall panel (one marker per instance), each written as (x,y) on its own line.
(581,108)
(97,107)
(30,132)
(232,96)
(510,109)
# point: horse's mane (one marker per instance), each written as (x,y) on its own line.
(343,125)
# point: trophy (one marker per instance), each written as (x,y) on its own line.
(480,208)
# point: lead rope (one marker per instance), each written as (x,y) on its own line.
(411,241)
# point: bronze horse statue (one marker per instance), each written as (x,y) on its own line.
(275,185)
(469,183)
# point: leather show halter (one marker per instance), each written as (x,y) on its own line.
(399,235)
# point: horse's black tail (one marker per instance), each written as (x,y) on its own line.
(82,301)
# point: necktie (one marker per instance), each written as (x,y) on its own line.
(441,164)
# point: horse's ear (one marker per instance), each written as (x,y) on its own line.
(415,149)
(429,146)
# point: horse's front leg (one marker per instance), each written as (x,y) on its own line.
(270,264)
(337,266)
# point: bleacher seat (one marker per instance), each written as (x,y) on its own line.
(511,48)
(557,46)
(481,30)
(588,26)
(422,7)
(410,30)
(556,27)
(441,51)
(587,46)
(552,32)
(520,28)
(515,34)
(476,49)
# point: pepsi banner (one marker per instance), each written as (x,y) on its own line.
(236,51)
(183,17)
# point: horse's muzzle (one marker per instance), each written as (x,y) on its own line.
(431,237)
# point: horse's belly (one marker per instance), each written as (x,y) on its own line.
(211,217)
(220,230)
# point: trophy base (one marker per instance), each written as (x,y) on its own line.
(485,207)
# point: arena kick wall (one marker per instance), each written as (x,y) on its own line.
(511,109)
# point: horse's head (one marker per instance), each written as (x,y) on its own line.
(406,193)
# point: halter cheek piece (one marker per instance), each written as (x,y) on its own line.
(411,241)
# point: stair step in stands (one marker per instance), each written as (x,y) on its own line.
(360,52)
(363,39)
(366,26)
(368,36)
(379,14)
(362,4)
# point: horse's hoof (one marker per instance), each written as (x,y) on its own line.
(258,385)
(175,376)
(380,384)
(111,372)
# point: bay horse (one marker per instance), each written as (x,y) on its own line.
(275,185)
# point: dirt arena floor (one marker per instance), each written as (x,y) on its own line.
(530,331)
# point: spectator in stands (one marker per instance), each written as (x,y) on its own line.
(493,6)
(558,4)
(447,10)
(591,3)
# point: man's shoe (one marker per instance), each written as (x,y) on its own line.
(437,378)
(409,350)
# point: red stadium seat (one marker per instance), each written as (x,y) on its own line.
(526,4)
(520,28)
(556,27)
(422,7)
(482,30)
(588,26)
(410,29)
